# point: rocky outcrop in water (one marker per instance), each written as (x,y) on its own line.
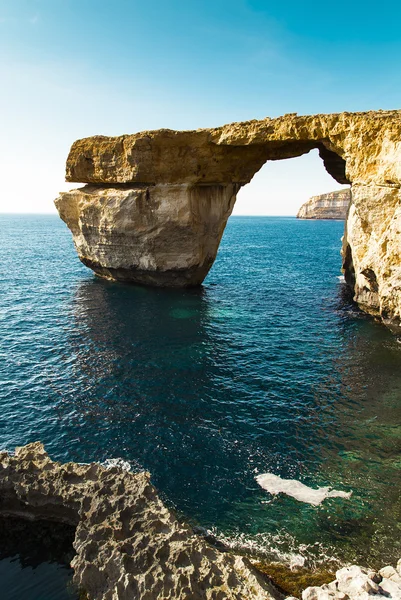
(333,205)
(163,235)
(356,583)
(128,543)
(158,201)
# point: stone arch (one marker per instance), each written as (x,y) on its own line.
(156,202)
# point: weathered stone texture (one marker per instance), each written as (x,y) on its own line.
(128,544)
(333,205)
(367,142)
(357,583)
(142,223)
(162,156)
(372,251)
(166,234)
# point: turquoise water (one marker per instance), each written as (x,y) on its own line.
(267,367)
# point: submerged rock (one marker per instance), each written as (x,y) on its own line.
(159,200)
(128,543)
(274,484)
(333,205)
(293,580)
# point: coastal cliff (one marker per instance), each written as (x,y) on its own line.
(333,205)
(158,201)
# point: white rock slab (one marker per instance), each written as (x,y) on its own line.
(274,484)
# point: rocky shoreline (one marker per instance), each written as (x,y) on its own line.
(357,583)
(128,544)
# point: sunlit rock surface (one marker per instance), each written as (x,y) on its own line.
(128,544)
(174,190)
(372,251)
(356,583)
(165,234)
(333,205)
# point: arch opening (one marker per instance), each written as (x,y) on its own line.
(283,184)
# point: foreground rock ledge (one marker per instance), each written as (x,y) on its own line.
(158,201)
(128,544)
(357,583)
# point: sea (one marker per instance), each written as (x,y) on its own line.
(269,367)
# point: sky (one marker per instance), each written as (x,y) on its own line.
(71,69)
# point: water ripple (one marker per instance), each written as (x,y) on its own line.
(268,368)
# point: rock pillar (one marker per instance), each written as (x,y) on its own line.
(162,235)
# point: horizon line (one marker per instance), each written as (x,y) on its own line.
(56,215)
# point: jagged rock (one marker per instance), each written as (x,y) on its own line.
(138,225)
(128,544)
(357,583)
(333,205)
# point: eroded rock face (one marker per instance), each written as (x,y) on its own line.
(128,544)
(372,251)
(147,220)
(165,234)
(333,205)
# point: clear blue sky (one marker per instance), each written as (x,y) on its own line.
(73,68)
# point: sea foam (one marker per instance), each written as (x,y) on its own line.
(274,484)
(125,465)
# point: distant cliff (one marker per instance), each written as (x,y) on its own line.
(327,206)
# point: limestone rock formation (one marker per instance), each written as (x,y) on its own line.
(159,200)
(128,544)
(158,235)
(356,583)
(372,251)
(333,205)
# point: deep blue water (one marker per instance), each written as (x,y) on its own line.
(267,367)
